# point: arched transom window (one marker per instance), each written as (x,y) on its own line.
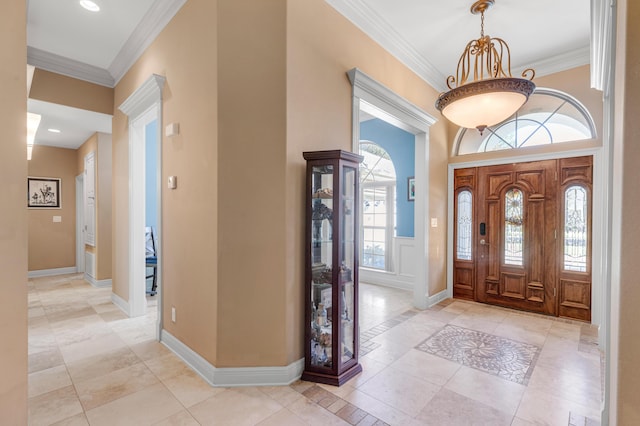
(548,117)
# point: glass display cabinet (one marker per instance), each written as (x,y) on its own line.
(331,278)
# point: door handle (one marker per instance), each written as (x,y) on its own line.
(483,242)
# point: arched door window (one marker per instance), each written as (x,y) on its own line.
(513,227)
(548,117)
(464,225)
(575,229)
(378,186)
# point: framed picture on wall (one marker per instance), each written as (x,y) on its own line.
(43,193)
(411,188)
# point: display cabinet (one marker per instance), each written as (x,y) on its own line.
(331,278)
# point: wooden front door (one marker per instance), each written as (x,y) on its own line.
(528,244)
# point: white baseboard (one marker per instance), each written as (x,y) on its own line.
(387,279)
(98,283)
(231,377)
(120,303)
(52,272)
(438,297)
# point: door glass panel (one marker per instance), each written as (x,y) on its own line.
(464,226)
(575,229)
(347,295)
(513,227)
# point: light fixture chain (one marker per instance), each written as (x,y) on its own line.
(482,24)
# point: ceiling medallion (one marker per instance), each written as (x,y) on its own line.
(493,94)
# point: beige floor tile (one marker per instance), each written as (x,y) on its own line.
(400,390)
(48,380)
(283,417)
(183,418)
(541,408)
(92,347)
(167,366)
(339,391)
(314,415)
(52,407)
(77,420)
(452,409)
(190,388)
(370,367)
(101,364)
(473,322)
(283,395)
(427,367)
(574,361)
(237,406)
(388,352)
(148,406)
(377,408)
(109,387)
(520,334)
(520,422)
(487,389)
(149,349)
(46,359)
(583,389)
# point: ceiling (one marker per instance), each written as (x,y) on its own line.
(426,35)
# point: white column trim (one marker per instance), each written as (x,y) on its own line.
(142,106)
(375,98)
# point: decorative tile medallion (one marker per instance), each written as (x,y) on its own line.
(495,355)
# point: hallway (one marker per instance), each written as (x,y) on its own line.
(457,363)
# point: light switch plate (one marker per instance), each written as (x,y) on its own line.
(173,182)
(434,222)
(57,219)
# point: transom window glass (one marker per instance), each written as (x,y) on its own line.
(548,117)
(513,227)
(378,185)
(464,225)
(575,229)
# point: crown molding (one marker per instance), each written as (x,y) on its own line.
(376,27)
(149,93)
(69,67)
(562,62)
(145,33)
(153,22)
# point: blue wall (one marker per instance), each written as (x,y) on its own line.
(401,148)
(151,170)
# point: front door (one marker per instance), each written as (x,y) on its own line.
(528,242)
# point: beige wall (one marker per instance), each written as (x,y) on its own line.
(322,47)
(252,295)
(63,90)
(186,54)
(52,245)
(268,83)
(13,212)
(625,212)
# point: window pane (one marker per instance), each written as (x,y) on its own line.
(575,229)
(464,224)
(513,228)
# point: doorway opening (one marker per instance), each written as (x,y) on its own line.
(144,109)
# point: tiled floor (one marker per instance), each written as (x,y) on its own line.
(89,364)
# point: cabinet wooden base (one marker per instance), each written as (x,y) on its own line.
(330,379)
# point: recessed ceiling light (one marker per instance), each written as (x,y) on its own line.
(89,5)
(54,130)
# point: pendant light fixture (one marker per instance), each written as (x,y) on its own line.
(483,92)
